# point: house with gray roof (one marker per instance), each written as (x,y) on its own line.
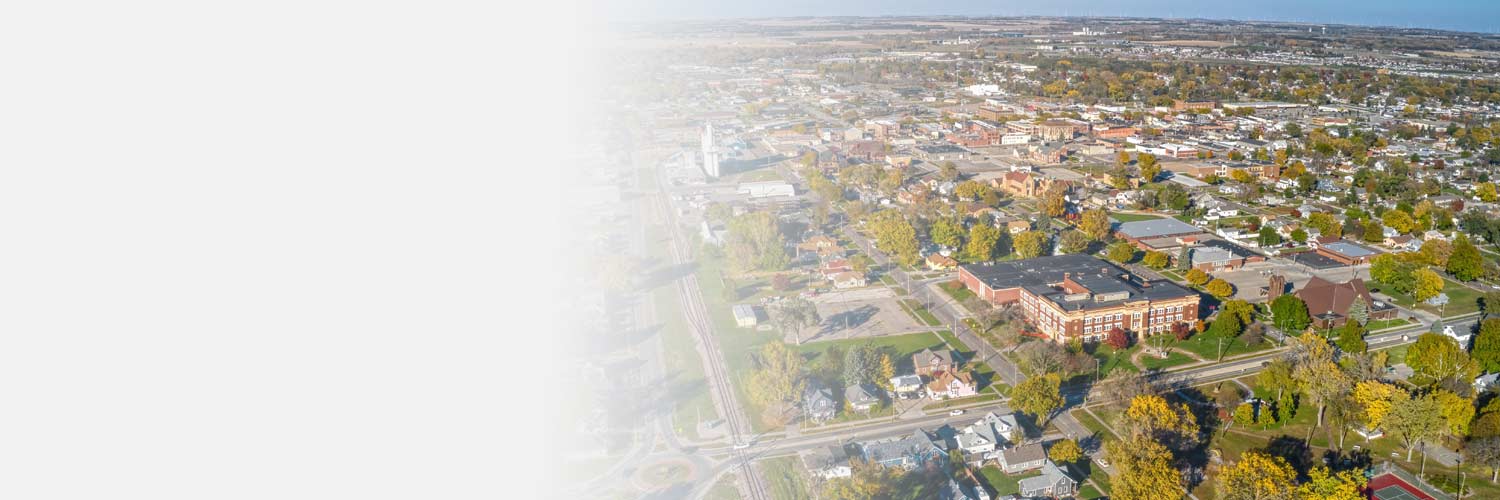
(861,397)
(1052,483)
(827,462)
(1155,228)
(907,452)
(958,491)
(1022,458)
(818,405)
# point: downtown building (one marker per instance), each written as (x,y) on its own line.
(1080,296)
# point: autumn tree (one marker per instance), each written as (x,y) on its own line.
(1196,277)
(777,379)
(1414,420)
(983,238)
(895,235)
(1257,476)
(755,243)
(1219,288)
(947,232)
(1375,400)
(1155,260)
(1054,203)
(1323,484)
(1319,376)
(1465,263)
(1440,357)
(1030,244)
(1121,252)
(1145,470)
(1152,416)
(1486,351)
(1429,284)
(1065,451)
(1095,223)
(1072,242)
(1038,396)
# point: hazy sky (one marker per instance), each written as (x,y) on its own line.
(1464,15)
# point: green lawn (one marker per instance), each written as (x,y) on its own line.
(737,344)
(1173,358)
(1381,324)
(921,313)
(1461,299)
(724,489)
(679,351)
(957,290)
(1208,346)
(785,478)
(1169,274)
(899,347)
(1003,484)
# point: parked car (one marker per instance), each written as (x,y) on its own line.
(956,413)
(1102,462)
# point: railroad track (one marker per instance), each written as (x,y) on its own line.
(697,316)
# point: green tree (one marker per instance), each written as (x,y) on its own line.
(983,239)
(1399,220)
(1486,351)
(1155,260)
(1414,420)
(894,235)
(794,314)
(1038,396)
(1030,244)
(1196,277)
(1269,237)
(1121,252)
(1359,311)
(1299,235)
(1440,357)
(1465,263)
(1072,242)
(1290,313)
(947,171)
(947,232)
(756,244)
(1374,231)
(1244,415)
(1352,337)
(777,379)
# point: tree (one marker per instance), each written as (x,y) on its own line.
(1030,244)
(861,364)
(1117,338)
(1038,396)
(947,171)
(1375,400)
(1465,263)
(1184,259)
(1359,311)
(1257,476)
(895,235)
(947,232)
(1374,231)
(1155,260)
(1325,224)
(1429,284)
(1095,224)
(1145,470)
(1458,411)
(1290,313)
(1486,451)
(1065,451)
(1152,416)
(1399,220)
(777,379)
(1121,252)
(1299,235)
(983,238)
(977,191)
(1219,288)
(1415,420)
(794,314)
(1054,203)
(1436,252)
(1320,378)
(1440,357)
(1244,415)
(755,243)
(1486,192)
(1240,309)
(1268,236)
(887,372)
(1226,326)
(1486,351)
(1323,484)
(1196,277)
(1072,242)
(1352,337)
(866,480)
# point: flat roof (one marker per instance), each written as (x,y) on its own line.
(1349,249)
(1157,228)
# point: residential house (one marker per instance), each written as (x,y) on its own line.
(861,397)
(940,262)
(906,386)
(929,362)
(827,462)
(951,384)
(834,267)
(908,452)
(956,491)
(847,280)
(1052,483)
(818,405)
(1022,458)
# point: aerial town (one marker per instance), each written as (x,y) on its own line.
(1006,258)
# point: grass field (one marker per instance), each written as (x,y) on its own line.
(1381,324)
(956,290)
(1133,217)
(920,312)
(785,478)
(1001,483)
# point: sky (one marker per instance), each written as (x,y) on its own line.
(1460,15)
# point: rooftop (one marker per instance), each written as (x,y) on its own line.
(1349,249)
(1157,227)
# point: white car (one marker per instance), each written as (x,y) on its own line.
(956,413)
(741,446)
(1102,462)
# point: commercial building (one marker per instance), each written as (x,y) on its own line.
(1079,296)
(1346,253)
(1136,231)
